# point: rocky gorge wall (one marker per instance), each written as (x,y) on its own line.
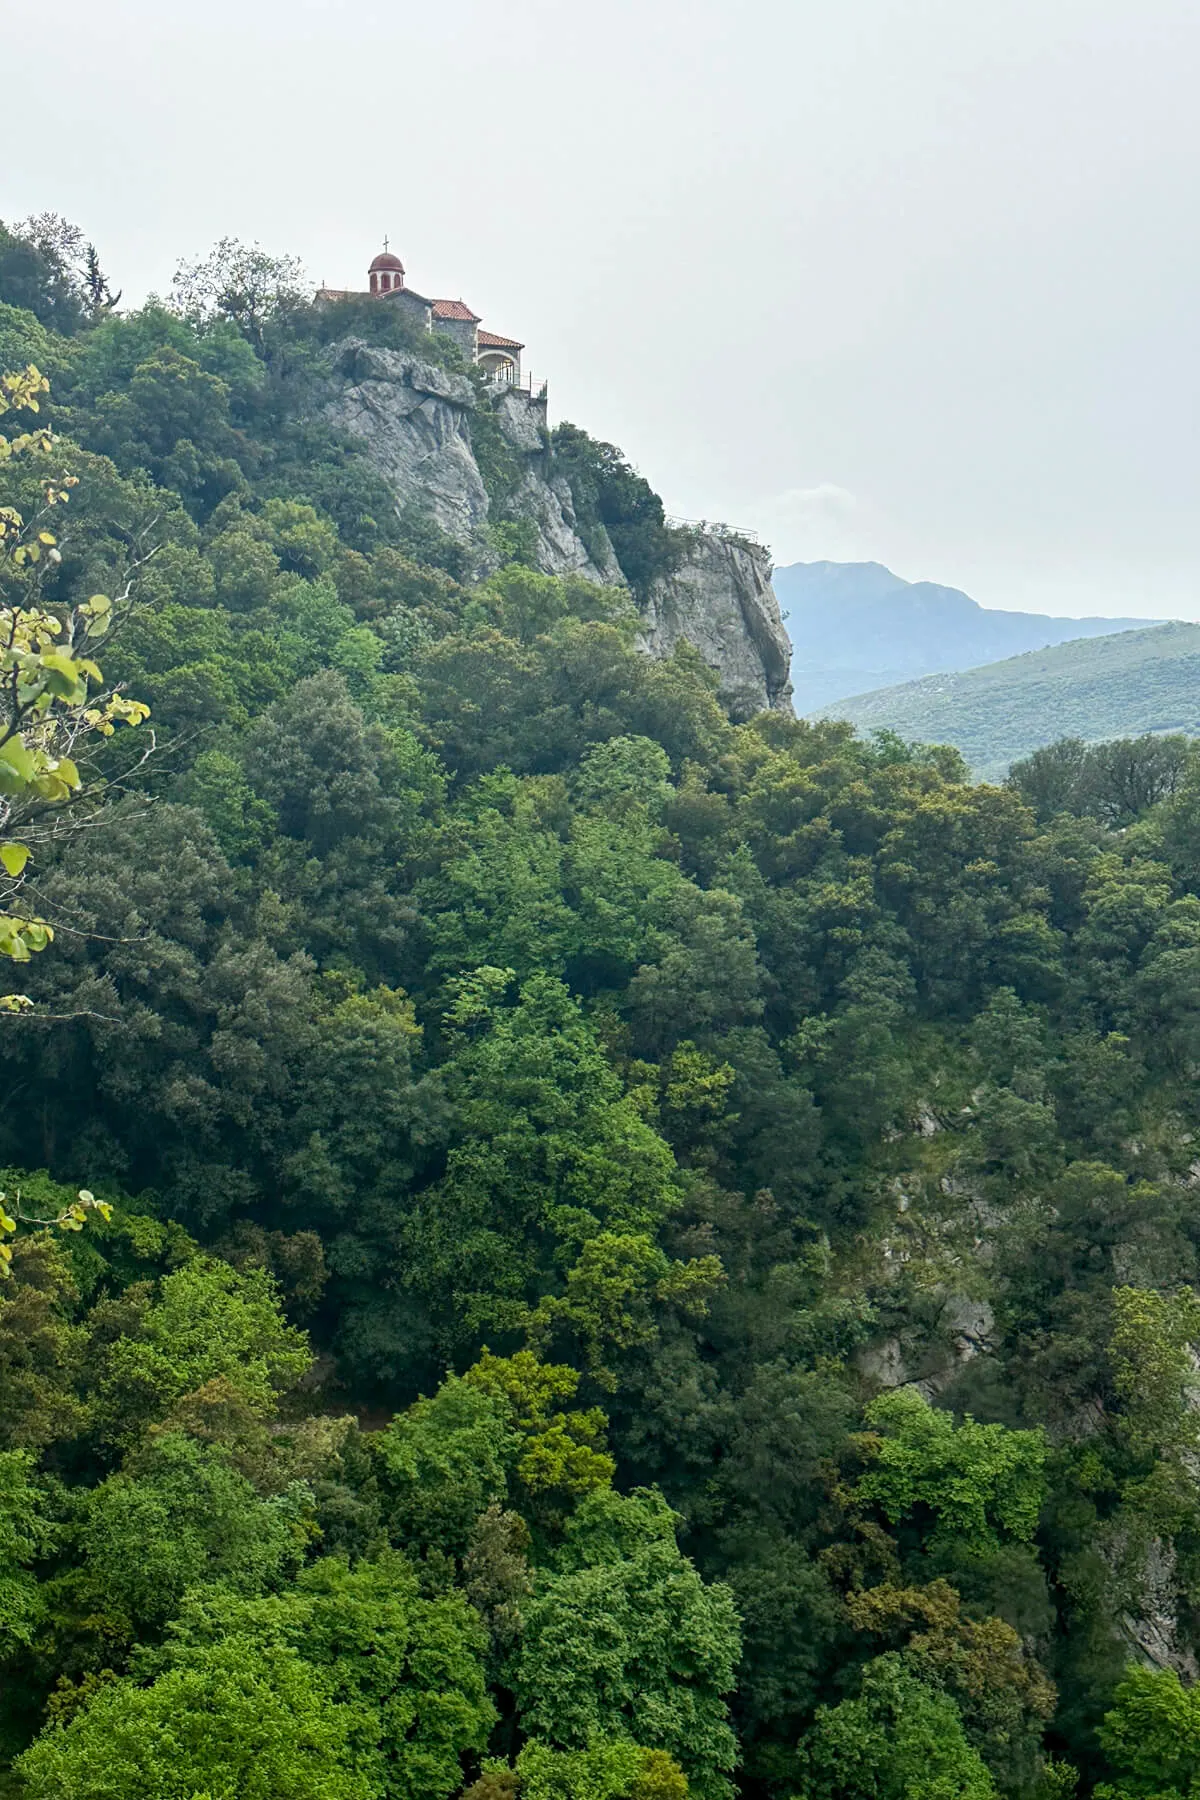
(414,420)
(720,600)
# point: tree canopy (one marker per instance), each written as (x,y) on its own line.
(625,1251)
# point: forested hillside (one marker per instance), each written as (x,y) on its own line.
(622,1254)
(1131,683)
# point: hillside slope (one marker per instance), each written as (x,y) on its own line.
(856,626)
(628,1253)
(1117,686)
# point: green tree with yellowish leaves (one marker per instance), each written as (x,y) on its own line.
(52,696)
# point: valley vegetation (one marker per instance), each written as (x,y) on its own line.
(624,1255)
(1132,683)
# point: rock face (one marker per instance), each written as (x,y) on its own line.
(721,600)
(544,498)
(414,420)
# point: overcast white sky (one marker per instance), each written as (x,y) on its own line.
(915,280)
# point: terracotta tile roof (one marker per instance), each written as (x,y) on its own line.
(489,341)
(454,309)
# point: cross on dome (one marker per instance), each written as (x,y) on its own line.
(386,272)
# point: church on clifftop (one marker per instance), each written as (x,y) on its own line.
(499,357)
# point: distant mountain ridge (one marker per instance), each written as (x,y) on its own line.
(857,627)
(1119,685)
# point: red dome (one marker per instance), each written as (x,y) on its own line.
(385,260)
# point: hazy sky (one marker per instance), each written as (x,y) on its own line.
(915,280)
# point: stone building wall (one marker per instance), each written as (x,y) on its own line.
(461,331)
(413,304)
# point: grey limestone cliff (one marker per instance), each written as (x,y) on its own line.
(414,420)
(544,497)
(720,600)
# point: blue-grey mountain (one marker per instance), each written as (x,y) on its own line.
(856,627)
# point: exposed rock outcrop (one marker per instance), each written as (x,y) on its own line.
(931,1361)
(544,497)
(1153,1631)
(721,600)
(414,419)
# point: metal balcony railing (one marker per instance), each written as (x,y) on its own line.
(536,390)
(717,528)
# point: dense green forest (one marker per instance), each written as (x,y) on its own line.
(1131,683)
(559,1246)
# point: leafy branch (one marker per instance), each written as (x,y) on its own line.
(70,1218)
(52,697)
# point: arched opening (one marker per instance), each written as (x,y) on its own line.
(498,364)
